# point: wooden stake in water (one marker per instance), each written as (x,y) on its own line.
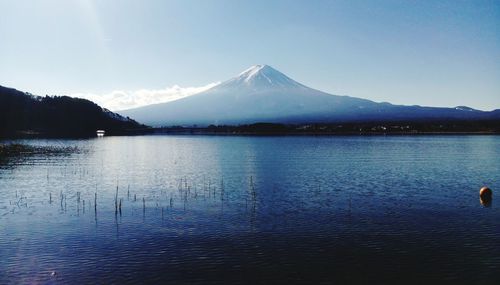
(120,207)
(254,194)
(116,200)
(143,207)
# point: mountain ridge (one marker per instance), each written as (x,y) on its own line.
(264,94)
(24,113)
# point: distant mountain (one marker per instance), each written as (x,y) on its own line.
(22,112)
(263,94)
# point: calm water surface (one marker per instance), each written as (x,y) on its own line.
(209,209)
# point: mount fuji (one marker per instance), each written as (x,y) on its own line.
(263,94)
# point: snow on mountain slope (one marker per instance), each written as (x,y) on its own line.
(259,93)
(263,94)
(262,77)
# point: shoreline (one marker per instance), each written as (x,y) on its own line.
(212,133)
(298,134)
(276,129)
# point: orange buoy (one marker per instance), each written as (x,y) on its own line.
(485,193)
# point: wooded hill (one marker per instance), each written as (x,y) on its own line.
(22,113)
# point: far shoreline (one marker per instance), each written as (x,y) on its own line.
(349,129)
(277,129)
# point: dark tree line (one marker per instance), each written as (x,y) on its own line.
(22,113)
(367,128)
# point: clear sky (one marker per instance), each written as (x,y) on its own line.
(436,53)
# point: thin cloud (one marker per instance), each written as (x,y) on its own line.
(121,100)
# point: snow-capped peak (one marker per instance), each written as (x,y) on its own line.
(262,76)
(252,71)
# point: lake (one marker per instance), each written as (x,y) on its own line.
(249,209)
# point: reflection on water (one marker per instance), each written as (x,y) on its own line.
(485,202)
(208,209)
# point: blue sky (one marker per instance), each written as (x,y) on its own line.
(436,53)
